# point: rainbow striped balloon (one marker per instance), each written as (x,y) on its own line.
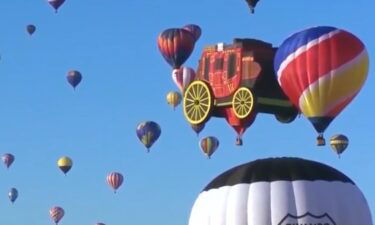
(321,70)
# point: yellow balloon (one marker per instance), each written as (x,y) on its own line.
(174,98)
(65,164)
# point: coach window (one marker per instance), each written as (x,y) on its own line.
(206,68)
(231,65)
(219,63)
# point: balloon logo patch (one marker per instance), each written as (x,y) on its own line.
(307,218)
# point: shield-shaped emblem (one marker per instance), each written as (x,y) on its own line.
(307,218)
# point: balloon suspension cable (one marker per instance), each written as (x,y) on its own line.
(148,150)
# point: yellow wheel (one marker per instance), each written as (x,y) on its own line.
(243,102)
(197,102)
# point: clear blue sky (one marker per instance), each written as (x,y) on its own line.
(125,80)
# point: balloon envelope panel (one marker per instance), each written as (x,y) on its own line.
(280,192)
(321,69)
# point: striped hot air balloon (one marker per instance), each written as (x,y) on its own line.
(99,224)
(281,191)
(321,70)
(339,143)
(183,77)
(176,45)
(115,180)
(174,99)
(56,213)
(209,145)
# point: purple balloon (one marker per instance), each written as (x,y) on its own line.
(56,4)
(148,132)
(8,159)
(74,78)
(194,29)
(198,127)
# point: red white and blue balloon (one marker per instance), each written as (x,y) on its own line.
(321,70)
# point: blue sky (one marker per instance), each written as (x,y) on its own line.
(125,81)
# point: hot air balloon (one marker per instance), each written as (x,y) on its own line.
(99,224)
(74,77)
(115,180)
(56,213)
(252,4)
(56,4)
(183,77)
(65,164)
(8,159)
(30,29)
(281,191)
(236,82)
(176,45)
(13,194)
(339,143)
(197,127)
(321,70)
(209,145)
(148,132)
(194,29)
(174,99)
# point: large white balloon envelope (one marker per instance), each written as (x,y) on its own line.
(281,191)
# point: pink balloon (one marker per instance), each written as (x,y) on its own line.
(183,77)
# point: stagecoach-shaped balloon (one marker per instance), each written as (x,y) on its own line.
(236,81)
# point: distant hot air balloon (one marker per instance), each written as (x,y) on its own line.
(252,4)
(339,143)
(281,191)
(321,70)
(148,132)
(56,213)
(99,224)
(209,145)
(8,159)
(56,4)
(65,164)
(74,77)
(174,98)
(176,45)
(183,77)
(197,127)
(13,194)
(30,29)
(194,29)
(115,180)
